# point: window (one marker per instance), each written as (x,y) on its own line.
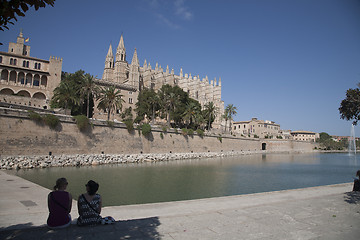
(39,65)
(27,64)
(11,61)
(130,100)
(130,92)
(0,59)
(35,66)
(24,63)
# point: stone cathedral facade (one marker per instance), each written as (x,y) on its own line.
(132,78)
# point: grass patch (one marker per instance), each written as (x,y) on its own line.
(200,132)
(35,117)
(82,122)
(184,131)
(110,123)
(190,132)
(129,125)
(146,129)
(51,120)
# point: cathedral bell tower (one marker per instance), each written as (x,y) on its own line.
(134,76)
(109,65)
(121,72)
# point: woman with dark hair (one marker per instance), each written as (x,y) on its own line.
(357,182)
(59,204)
(89,205)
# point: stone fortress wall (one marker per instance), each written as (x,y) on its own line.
(21,136)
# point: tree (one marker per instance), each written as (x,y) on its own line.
(192,114)
(110,100)
(328,143)
(169,99)
(76,103)
(87,89)
(65,96)
(10,8)
(230,111)
(225,116)
(210,113)
(350,106)
(147,105)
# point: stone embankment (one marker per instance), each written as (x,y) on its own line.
(27,162)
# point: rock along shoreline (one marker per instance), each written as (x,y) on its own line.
(78,160)
(45,161)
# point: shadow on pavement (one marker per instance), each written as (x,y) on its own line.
(352,197)
(131,229)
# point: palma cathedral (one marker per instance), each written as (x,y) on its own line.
(131,78)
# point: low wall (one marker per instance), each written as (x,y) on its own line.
(21,136)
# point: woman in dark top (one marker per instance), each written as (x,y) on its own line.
(357,182)
(59,204)
(89,205)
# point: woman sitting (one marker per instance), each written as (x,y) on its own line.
(357,182)
(59,204)
(89,205)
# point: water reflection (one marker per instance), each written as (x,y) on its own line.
(192,179)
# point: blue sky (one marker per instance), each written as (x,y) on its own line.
(289,61)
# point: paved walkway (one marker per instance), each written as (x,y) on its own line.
(327,212)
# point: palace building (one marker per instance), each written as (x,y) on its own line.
(132,78)
(26,80)
(255,127)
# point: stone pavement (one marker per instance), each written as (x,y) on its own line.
(326,212)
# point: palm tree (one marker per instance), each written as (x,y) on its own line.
(110,100)
(153,101)
(168,100)
(210,112)
(225,117)
(88,88)
(191,113)
(230,111)
(65,95)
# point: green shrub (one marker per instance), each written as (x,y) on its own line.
(279,137)
(200,132)
(184,131)
(110,124)
(220,139)
(164,129)
(190,132)
(176,131)
(35,117)
(146,129)
(51,120)
(129,125)
(82,122)
(256,136)
(162,135)
(139,129)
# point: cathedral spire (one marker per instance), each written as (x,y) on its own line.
(135,60)
(121,51)
(110,52)
(121,43)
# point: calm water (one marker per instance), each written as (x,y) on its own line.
(192,179)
